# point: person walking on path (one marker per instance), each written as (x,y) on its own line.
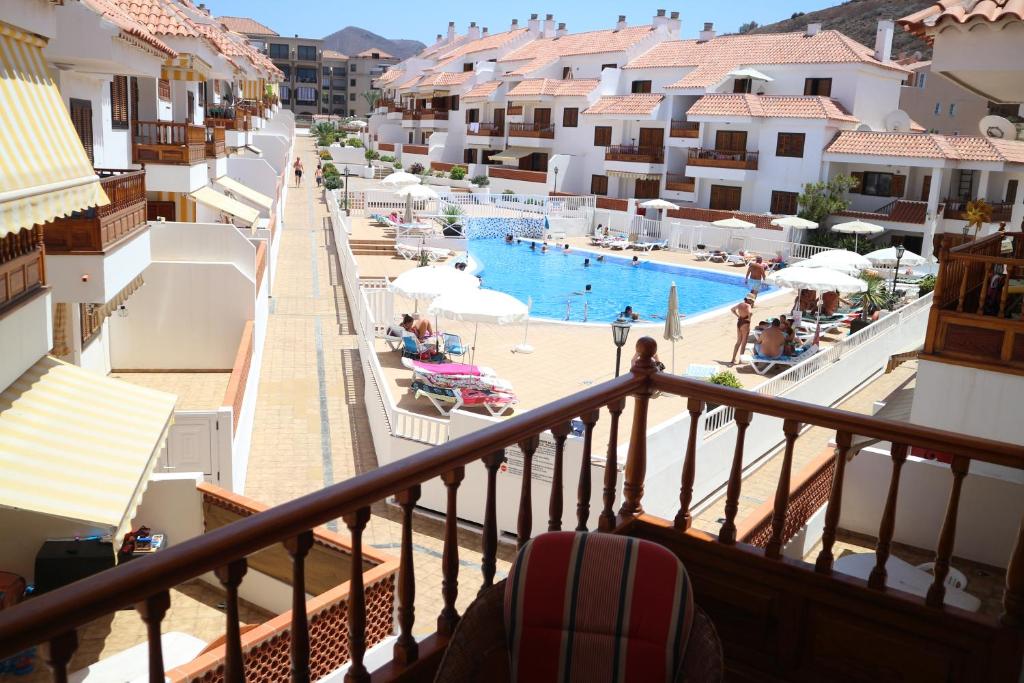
(319,176)
(298,171)
(743,311)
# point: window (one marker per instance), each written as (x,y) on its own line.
(119,103)
(599,184)
(725,198)
(286,70)
(784,202)
(921,79)
(453,103)
(1011,192)
(938,108)
(952,109)
(879,184)
(468,66)
(278,51)
(339,99)
(163,89)
(609,66)
(641,86)
(571,117)
(472,116)
(742,85)
(469,156)
(306,53)
(818,86)
(326,71)
(602,136)
(352,68)
(81,119)
(305,95)
(352,97)
(351,82)
(305,75)
(374,55)
(566,73)
(285,93)
(790,145)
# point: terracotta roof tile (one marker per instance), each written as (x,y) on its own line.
(445,78)
(715,58)
(161,17)
(488,42)
(481,91)
(927,146)
(247,26)
(925,22)
(770,106)
(541,51)
(389,76)
(368,54)
(640,104)
(333,54)
(535,87)
(129,24)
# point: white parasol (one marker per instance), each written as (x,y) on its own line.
(858,228)
(479,306)
(414,193)
(400,178)
(733,223)
(818,279)
(848,262)
(425,284)
(673,328)
(887,258)
(794,223)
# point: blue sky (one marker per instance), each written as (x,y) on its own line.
(407,18)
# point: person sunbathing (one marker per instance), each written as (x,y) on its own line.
(773,341)
(830,303)
(421,328)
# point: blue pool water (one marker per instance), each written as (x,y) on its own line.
(555,279)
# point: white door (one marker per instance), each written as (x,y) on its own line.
(191,444)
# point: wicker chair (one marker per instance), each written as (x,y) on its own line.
(479,649)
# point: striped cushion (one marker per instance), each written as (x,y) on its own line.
(596,607)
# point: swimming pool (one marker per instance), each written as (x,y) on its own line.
(557,282)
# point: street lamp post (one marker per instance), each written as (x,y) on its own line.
(620,331)
(556,179)
(346,192)
(900,249)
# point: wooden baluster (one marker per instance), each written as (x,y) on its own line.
(556,503)
(947,537)
(230,576)
(489,540)
(606,522)
(1013,598)
(963,289)
(583,491)
(448,618)
(727,534)
(298,547)
(406,648)
(57,653)
(683,519)
(636,459)
(835,504)
(524,526)
(984,288)
(1004,294)
(791,428)
(152,611)
(356,523)
(888,524)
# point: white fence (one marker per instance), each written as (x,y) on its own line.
(366,202)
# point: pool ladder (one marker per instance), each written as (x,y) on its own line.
(568,309)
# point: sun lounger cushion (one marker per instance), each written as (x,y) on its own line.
(449,368)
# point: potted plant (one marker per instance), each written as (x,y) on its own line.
(927,284)
(725,378)
(457,173)
(451,219)
(876,297)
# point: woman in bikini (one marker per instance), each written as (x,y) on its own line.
(742,311)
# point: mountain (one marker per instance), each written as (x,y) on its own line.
(352,40)
(859,19)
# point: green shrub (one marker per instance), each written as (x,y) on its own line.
(333,182)
(354,142)
(508,192)
(398,165)
(927,284)
(371,154)
(481,181)
(386,158)
(726,378)
(324,154)
(458,173)
(330,169)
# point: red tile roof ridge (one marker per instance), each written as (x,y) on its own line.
(246,25)
(924,22)
(635,103)
(160,17)
(770,106)
(927,145)
(129,24)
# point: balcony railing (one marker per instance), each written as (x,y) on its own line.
(635,153)
(517,174)
(415,149)
(684,129)
(677,182)
(425,115)
(722,159)
(975,317)
(163,142)
(514,110)
(215,142)
(531,130)
(98,228)
(763,604)
(956,209)
(488,129)
(21,266)
(238,118)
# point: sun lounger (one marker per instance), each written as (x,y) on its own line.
(700,371)
(702,255)
(762,365)
(414,348)
(449,368)
(409,251)
(447,400)
(650,246)
(618,243)
(448,381)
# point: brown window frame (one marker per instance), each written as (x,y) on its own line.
(602,136)
(163,89)
(640,87)
(119,103)
(743,86)
(571,117)
(790,145)
(599,185)
(785,203)
(81,119)
(821,87)
(725,189)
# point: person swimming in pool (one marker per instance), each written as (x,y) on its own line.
(533,246)
(629,314)
(635,262)
(586,263)
(600,258)
(508,238)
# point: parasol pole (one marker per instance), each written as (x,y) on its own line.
(524,347)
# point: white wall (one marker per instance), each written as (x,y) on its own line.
(111,148)
(242,441)
(175,178)
(983,402)
(255,173)
(107,273)
(275,150)
(204,243)
(26,334)
(22,533)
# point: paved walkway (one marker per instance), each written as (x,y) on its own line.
(311,427)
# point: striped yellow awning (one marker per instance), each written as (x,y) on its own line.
(245,192)
(78,445)
(211,197)
(185,67)
(630,175)
(253,90)
(44,170)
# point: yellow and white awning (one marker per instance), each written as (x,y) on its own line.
(212,198)
(512,155)
(630,175)
(245,192)
(253,89)
(44,170)
(78,445)
(185,67)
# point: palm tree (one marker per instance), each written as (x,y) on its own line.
(372,97)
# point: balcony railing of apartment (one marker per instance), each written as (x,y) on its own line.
(415,149)
(976,314)
(612,204)
(778,618)
(488,129)
(517,174)
(677,182)
(99,228)
(684,129)
(21,266)
(163,142)
(232,119)
(514,110)
(425,115)
(531,130)
(722,159)
(215,142)
(634,153)
(956,209)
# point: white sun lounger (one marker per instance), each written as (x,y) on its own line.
(763,365)
(649,246)
(618,243)
(409,251)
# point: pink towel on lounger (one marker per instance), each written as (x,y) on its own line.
(448,368)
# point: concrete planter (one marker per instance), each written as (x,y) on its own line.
(479,190)
(448,182)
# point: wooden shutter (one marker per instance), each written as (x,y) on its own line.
(570,117)
(161,209)
(651,138)
(899,184)
(542,116)
(599,184)
(81,119)
(164,90)
(926,187)
(602,136)
(731,141)
(119,103)
(725,197)
(858,182)
(646,189)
